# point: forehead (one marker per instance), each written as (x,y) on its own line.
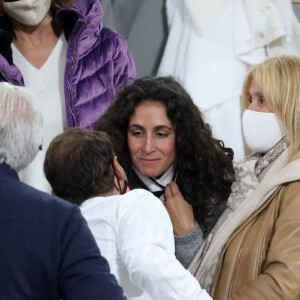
(150,114)
(255,87)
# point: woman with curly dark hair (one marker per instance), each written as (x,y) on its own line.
(61,52)
(164,145)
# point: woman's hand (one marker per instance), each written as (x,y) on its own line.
(181,213)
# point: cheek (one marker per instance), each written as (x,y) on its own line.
(133,145)
(266,109)
(168,147)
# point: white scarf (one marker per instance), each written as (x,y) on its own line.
(163,180)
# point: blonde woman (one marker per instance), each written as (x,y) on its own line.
(254,250)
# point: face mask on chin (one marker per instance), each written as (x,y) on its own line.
(27,12)
(261,130)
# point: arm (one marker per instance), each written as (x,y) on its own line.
(281,272)
(145,242)
(188,234)
(124,66)
(84,273)
(186,246)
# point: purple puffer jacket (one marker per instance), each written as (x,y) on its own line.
(98,62)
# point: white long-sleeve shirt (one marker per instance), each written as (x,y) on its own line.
(135,234)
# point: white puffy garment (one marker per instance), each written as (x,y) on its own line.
(211,58)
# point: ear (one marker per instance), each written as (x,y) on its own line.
(118,169)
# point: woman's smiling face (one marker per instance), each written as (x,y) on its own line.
(151,139)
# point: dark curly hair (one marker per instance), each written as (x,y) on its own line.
(204,165)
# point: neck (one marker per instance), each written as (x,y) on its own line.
(113,192)
(157,184)
(35,34)
(36,42)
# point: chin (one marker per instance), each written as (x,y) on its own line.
(151,173)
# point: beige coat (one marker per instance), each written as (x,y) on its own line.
(261,259)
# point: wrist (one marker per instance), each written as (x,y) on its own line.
(183,230)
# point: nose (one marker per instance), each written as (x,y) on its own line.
(149,144)
(254,106)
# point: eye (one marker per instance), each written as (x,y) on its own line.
(136,133)
(262,101)
(249,99)
(161,134)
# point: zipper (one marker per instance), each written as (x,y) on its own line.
(72,67)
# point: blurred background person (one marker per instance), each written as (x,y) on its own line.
(73,65)
(165,147)
(132,229)
(207,44)
(253,252)
(47,249)
(212,44)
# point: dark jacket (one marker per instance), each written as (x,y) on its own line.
(98,62)
(47,250)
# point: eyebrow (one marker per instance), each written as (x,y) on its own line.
(256,93)
(159,127)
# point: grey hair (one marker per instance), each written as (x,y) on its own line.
(20,126)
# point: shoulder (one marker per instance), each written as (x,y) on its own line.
(111,39)
(289,178)
(107,34)
(142,216)
(40,204)
(35,217)
(142,197)
(142,202)
(51,202)
(290,194)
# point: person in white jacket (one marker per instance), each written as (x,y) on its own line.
(133,229)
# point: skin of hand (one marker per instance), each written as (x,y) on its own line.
(180,212)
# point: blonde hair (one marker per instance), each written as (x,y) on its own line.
(279,78)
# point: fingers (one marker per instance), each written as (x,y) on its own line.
(174,188)
(180,211)
(168,192)
(173,197)
(163,199)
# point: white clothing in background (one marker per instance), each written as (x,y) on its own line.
(47,85)
(265,28)
(135,234)
(213,10)
(208,69)
(211,59)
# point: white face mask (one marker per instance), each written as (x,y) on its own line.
(261,130)
(27,12)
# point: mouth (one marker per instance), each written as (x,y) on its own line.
(149,161)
